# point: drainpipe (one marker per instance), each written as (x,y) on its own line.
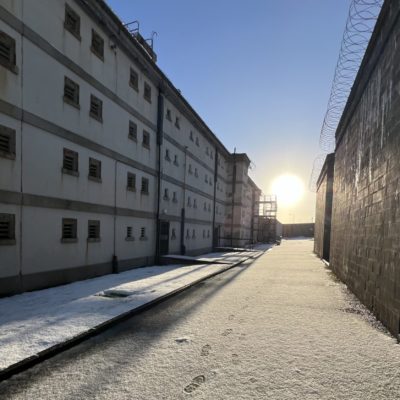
(183,249)
(215,196)
(160,122)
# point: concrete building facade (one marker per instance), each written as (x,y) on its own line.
(365,239)
(104,165)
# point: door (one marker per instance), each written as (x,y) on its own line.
(164,238)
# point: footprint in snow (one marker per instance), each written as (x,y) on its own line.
(231,317)
(182,340)
(205,350)
(227,332)
(196,382)
(235,359)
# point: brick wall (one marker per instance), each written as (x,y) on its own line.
(365,243)
(323,209)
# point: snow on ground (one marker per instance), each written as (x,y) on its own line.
(33,322)
(281,329)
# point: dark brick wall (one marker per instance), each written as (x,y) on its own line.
(295,230)
(365,243)
(323,209)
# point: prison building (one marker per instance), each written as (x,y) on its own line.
(104,165)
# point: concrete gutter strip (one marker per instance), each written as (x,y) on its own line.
(29,362)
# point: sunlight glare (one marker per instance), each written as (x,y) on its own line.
(289,189)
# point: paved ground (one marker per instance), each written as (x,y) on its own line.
(280,328)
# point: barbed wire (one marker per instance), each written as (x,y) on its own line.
(359,26)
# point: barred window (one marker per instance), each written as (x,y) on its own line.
(131,181)
(7,142)
(174,197)
(69,230)
(146,139)
(167,156)
(94,169)
(177,123)
(96,108)
(71,92)
(7,229)
(70,162)
(129,234)
(166,194)
(72,22)
(145,186)
(93,231)
(97,46)
(134,79)
(8,58)
(176,160)
(132,131)
(147,92)
(143,233)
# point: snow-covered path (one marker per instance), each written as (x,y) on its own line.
(280,328)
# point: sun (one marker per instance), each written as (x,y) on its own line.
(289,189)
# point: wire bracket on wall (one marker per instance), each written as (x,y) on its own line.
(359,26)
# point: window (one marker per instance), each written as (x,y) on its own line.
(69,230)
(129,234)
(205,206)
(145,186)
(71,92)
(204,233)
(167,157)
(134,80)
(193,234)
(94,169)
(176,160)
(8,57)
(166,194)
(196,173)
(147,92)
(93,231)
(187,234)
(7,142)
(131,182)
(209,207)
(190,169)
(211,155)
(191,136)
(70,162)
(208,233)
(174,197)
(96,108)
(168,115)
(72,22)
(146,139)
(173,234)
(97,46)
(177,123)
(132,131)
(197,142)
(143,233)
(207,152)
(194,203)
(7,229)
(206,178)
(189,202)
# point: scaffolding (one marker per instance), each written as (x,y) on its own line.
(265,221)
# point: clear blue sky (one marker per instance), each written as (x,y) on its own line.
(259,73)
